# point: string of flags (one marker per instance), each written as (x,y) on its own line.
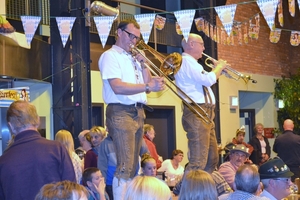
(224,35)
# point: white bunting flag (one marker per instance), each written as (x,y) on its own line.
(146,22)
(268,9)
(30,24)
(185,18)
(103,24)
(65,25)
(226,15)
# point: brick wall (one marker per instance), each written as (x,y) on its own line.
(261,56)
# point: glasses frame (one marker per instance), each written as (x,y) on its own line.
(132,36)
(285,180)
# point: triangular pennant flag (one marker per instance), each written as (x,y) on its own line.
(185,19)
(146,22)
(160,22)
(294,39)
(226,15)
(268,9)
(275,35)
(30,24)
(65,25)
(291,7)
(103,24)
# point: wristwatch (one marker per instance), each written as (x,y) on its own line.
(147,88)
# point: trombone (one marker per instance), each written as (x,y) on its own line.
(228,72)
(173,61)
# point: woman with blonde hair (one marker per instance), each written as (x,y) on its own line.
(98,134)
(66,139)
(147,188)
(198,184)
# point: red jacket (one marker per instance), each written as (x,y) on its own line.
(152,150)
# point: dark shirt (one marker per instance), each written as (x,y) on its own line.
(90,159)
(287,147)
(31,162)
(256,155)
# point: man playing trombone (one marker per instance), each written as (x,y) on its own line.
(126,80)
(195,82)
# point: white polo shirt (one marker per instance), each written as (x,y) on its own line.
(117,63)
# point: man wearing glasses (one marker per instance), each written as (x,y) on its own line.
(126,80)
(275,176)
(196,83)
(237,157)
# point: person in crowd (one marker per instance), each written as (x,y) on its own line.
(84,144)
(66,139)
(147,188)
(239,139)
(90,157)
(287,147)
(63,190)
(126,80)
(260,143)
(94,182)
(149,135)
(148,165)
(275,176)
(172,167)
(107,163)
(97,133)
(198,184)
(246,184)
(237,157)
(31,161)
(196,83)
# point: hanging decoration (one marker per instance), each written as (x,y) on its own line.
(146,22)
(178,30)
(30,24)
(185,19)
(268,9)
(275,35)
(292,7)
(103,25)
(280,13)
(65,25)
(199,22)
(159,22)
(226,35)
(226,15)
(295,37)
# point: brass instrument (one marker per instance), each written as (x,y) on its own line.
(169,67)
(228,72)
(169,64)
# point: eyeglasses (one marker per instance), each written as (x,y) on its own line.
(132,36)
(201,43)
(286,180)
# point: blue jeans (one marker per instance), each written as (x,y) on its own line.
(125,125)
(202,140)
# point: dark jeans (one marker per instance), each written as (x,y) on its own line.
(125,125)
(109,191)
(202,140)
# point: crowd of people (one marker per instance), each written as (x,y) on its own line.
(121,161)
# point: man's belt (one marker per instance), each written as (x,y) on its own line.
(137,104)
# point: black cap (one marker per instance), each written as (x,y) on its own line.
(274,168)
